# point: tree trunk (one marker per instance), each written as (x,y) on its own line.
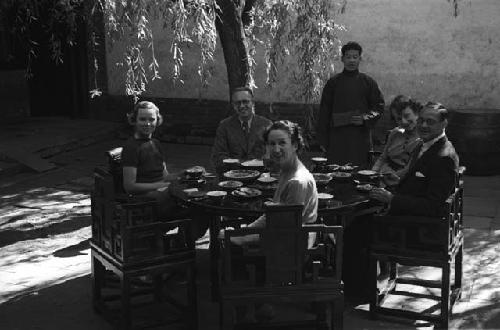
(232,38)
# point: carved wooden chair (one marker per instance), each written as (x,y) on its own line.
(422,241)
(135,256)
(281,267)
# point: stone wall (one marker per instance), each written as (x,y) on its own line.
(411,47)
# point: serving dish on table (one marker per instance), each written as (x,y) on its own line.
(244,176)
(245,192)
(230,184)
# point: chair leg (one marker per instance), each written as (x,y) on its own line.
(337,321)
(192,298)
(98,273)
(458,267)
(445,295)
(125,321)
(226,315)
(372,275)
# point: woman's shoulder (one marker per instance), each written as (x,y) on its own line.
(302,177)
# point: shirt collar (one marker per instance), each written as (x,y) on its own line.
(249,122)
(428,144)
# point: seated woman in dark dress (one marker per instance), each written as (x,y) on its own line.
(144,168)
(401,142)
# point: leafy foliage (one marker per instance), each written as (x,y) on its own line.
(303,31)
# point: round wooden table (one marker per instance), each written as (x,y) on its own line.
(347,204)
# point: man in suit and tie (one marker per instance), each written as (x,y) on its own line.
(240,136)
(433,170)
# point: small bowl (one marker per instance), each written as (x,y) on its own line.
(340,176)
(216,195)
(322,179)
(194,172)
(324,198)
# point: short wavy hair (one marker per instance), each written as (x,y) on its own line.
(132,116)
(401,102)
(291,128)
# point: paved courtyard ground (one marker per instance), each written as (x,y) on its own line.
(45,230)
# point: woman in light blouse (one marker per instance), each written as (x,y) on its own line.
(402,140)
(296,184)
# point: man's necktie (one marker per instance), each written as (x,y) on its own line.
(244,126)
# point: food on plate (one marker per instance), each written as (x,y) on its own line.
(242,174)
(230,184)
(246,192)
(364,187)
(347,167)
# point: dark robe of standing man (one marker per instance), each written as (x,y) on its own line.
(348,94)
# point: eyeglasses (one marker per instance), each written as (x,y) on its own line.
(242,102)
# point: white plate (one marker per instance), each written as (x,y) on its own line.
(216,193)
(267,179)
(230,161)
(324,196)
(319,159)
(367,172)
(253,163)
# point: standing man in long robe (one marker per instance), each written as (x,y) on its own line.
(351,104)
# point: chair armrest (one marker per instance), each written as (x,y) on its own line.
(407,219)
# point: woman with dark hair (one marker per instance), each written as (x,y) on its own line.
(402,140)
(296,184)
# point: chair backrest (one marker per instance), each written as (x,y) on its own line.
(284,244)
(419,236)
(283,249)
(115,167)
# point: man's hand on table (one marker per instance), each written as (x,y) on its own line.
(381,195)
